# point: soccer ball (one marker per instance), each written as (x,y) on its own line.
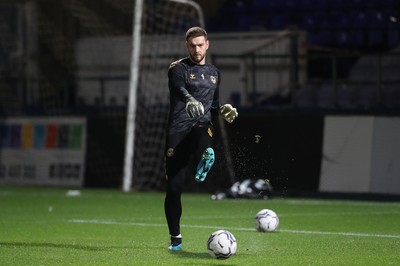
(266,221)
(221,244)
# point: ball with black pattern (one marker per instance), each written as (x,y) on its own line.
(266,220)
(221,244)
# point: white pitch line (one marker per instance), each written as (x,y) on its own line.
(236,229)
(339,233)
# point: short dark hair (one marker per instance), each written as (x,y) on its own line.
(195,32)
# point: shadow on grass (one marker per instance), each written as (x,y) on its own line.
(54,245)
(199,255)
(194,255)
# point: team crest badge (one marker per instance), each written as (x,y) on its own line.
(213,79)
(170,152)
(210,133)
(192,76)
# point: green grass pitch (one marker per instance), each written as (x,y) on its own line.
(43,226)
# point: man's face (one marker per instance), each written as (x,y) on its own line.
(197,48)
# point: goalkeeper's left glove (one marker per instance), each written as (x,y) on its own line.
(228,113)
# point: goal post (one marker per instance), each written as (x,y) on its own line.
(157,40)
(133,84)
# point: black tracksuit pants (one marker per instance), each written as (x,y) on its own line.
(183,153)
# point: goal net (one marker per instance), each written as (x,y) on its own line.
(161,29)
(66,67)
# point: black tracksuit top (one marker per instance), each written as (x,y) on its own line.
(200,81)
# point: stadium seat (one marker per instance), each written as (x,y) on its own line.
(366,95)
(292,5)
(355,4)
(245,22)
(343,20)
(326,37)
(326,96)
(360,20)
(306,96)
(345,96)
(271,5)
(393,37)
(311,21)
(350,39)
(332,95)
(390,95)
(375,38)
(278,22)
(375,19)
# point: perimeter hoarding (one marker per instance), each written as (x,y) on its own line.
(42,151)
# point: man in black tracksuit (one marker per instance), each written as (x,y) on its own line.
(194,97)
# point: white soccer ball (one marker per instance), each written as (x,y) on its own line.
(221,244)
(266,221)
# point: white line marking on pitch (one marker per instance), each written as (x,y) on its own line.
(237,229)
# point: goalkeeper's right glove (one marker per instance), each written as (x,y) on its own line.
(194,108)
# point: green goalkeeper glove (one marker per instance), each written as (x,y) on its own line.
(194,108)
(228,113)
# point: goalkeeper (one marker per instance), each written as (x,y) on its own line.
(194,98)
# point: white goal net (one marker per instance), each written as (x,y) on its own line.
(161,28)
(62,59)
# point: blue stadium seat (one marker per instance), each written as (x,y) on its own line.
(306,96)
(390,96)
(261,4)
(344,20)
(326,96)
(366,95)
(278,22)
(393,37)
(269,5)
(392,19)
(345,96)
(326,37)
(375,19)
(375,38)
(355,4)
(245,22)
(391,4)
(360,20)
(311,21)
(293,5)
(350,39)
(331,20)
